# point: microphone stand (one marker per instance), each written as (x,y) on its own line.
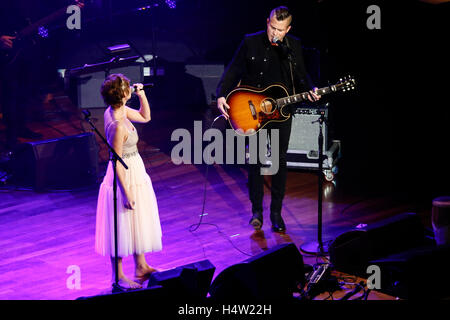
(114,158)
(312,247)
(318,247)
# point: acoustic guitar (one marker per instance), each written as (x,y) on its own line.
(251,108)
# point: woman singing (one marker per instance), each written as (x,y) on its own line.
(138,225)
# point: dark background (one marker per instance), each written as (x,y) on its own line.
(393,128)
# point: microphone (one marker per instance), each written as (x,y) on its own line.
(287,52)
(277,41)
(146,85)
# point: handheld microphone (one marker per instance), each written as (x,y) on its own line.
(146,85)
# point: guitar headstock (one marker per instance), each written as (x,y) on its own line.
(346,84)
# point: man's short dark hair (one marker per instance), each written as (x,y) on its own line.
(281,13)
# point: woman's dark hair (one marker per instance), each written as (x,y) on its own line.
(114,89)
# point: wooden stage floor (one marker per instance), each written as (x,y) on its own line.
(44,233)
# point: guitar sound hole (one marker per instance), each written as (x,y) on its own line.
(267,106)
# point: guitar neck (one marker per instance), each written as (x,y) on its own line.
(304,96)
(32,28)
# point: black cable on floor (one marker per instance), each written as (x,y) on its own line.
(194,227)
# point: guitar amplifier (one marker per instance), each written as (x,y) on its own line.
(305,129)
(303,149)
(84,87)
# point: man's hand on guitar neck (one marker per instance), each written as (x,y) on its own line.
(6,42)
(313,96)
(221,105)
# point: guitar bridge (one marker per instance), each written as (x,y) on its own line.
(252,109)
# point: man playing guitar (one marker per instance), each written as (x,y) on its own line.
(263,59)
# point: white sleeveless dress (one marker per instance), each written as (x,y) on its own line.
(138,230)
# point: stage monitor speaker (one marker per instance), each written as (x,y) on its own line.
(189,282)
(351,251)
(154,296)
(87,86)
(416,274)
(271,275)
(63,163)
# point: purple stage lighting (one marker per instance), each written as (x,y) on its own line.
(171,3)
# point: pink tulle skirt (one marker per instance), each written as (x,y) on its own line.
(138,230)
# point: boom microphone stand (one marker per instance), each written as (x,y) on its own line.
(114,158)
(318,247)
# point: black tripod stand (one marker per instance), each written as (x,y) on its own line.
(114,158)
(318,247)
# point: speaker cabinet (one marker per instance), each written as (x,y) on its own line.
(188,282)
(154,296)
(305,131)
(271,275)
(85,88)
(416,274)
(303,148)
(63,163)
(351,251)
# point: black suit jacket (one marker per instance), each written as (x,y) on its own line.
(251,65)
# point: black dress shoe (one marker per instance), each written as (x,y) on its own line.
(257,220)
(277,222)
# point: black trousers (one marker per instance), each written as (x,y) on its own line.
(256,179)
